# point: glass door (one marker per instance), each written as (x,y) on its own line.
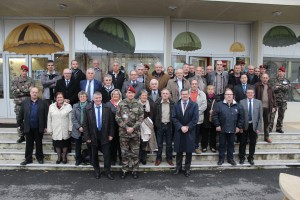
(227,63)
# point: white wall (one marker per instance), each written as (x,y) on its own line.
(60,26)
(292,51)
(148,32)
(216,38)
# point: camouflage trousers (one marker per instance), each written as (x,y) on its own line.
(130,152)
(281,107)
(18,102)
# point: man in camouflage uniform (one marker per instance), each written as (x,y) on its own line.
(281,87)
(20,88)
(129,116)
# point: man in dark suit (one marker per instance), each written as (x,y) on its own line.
(234,79)
(33,114)
(134,83)
(154,93)
(90,85)
(118,77)
(240,89)
(99,131)
(252,78)
(77,73)
(185,116)
(68,86)
(253,114)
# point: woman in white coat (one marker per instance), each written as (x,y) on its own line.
(60,126)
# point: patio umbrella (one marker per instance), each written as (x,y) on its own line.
(111,34)
(33,38)
(187,41)
(280,36)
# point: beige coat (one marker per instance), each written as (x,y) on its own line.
(60,121)
(173,88)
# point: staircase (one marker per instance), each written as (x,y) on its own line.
(284,151)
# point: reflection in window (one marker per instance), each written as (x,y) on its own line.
(1,77)
(61,61)
(292,67)
(178,61)
(128,61)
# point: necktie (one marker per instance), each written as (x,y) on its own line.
(154,93)
(134,84)
(184,106)
(99,125)
(67,82)
(89,91)
(250,111)
(244,88)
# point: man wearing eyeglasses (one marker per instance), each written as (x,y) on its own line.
(219,79)
(49,79)
(228,117)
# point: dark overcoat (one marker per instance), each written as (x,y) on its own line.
(185,142)
(90,124)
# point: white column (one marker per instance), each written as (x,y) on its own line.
(168,42)
(71,39)
(257,50)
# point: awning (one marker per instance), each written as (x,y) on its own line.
(237,47)
(111,34)
(280,36)
(33,38)
(187,41)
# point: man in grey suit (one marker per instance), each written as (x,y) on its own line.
(253,113)
(134,83)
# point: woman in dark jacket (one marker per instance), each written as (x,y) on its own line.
(148,106)
(77,119)
(209,134)
(115,149)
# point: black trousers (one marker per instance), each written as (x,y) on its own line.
(142,152)
(226,143)
(105,148)
(188,160)
(197,135)
(34,136)
(266,119)
(78,143)
(209,136)
(115,149)
(252,135)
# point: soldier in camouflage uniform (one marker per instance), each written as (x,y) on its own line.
(129,116)
(20,88)
(281,87)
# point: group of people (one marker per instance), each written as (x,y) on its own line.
(126,118)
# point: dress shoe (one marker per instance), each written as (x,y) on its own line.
(170,162)
(177,171)
(65,161)
(40,161)
(21,139)
(123,175)
(204,150)
(268,140)
(110,176)
(78,162)
(59,161)
(198,151)
(25,162)
(213,150)
(279,131)
(232,162)
(144,162)
(97,174)
(242,161)
(157,162)
(220,162)
(187,173)
(251,161)
(135,175)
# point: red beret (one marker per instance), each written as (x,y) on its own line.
(146,66)
(131,89)
(282,69)
(24,67)
(263,66)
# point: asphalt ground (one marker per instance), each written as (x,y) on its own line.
(248,184)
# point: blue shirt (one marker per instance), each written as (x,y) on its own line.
(34,119)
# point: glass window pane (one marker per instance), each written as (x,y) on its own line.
(38,66)
(14,65)
(178,61)
(61,61)
(1,77)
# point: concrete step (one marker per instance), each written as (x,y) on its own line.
(47,144)
(267,154)
(196,165)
